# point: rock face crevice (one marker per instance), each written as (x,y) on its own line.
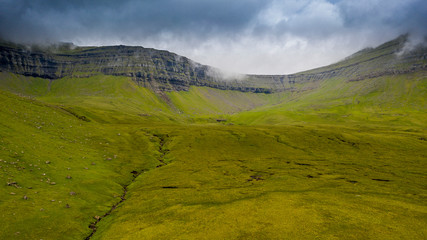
(164,71)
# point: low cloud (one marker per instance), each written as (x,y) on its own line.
(222,75)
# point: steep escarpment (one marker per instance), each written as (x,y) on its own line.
(155,69)
(165,71)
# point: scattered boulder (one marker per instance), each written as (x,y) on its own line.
(67,205)
(72,193)
(25,197)
(256,178)
(14,184)
(68,177)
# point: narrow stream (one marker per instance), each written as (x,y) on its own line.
(163,152)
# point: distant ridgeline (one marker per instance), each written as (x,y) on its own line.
(166,71)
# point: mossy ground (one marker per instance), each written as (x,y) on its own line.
(347,161)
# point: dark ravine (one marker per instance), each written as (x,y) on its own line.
(161,149)
(122,199)
(164,71)
(162,140)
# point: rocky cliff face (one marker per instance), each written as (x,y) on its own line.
(155,69)
(161,70)
(165,71)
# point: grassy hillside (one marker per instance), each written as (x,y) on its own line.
(109,98)
(388,100)
(113,99)
(342,156)
(58,171)
(398,100)
(204,101)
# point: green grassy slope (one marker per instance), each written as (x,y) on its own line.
(114,99)
(204,101)
(336,158)
(387,100)
(39,147)
(397,100)
(109,98)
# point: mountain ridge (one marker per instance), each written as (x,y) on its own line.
(163,71)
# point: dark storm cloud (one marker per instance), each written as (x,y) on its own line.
(53,20)
(260,36)
(409,15)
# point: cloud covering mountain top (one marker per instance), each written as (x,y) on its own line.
(247,36)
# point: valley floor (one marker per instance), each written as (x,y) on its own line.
(289,182)
(207,181)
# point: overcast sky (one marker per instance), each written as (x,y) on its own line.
(244,36)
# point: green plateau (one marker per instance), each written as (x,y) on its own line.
(133,143)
